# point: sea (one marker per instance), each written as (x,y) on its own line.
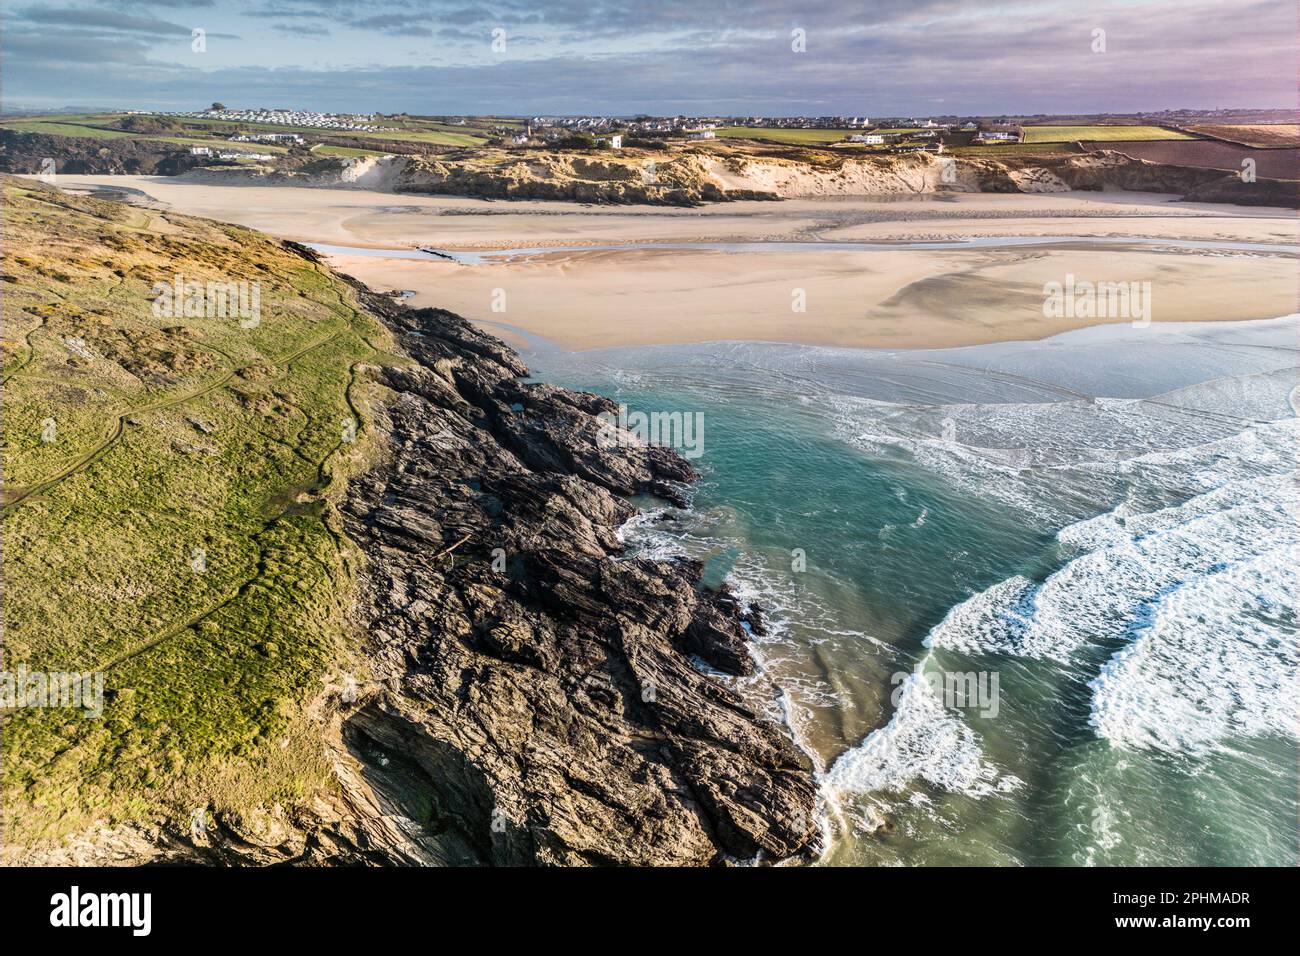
(1031,603)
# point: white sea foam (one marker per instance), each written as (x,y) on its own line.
(922,741)
(1055,461)
(666,533)
(1218,659)
(1102,594)
(1175,524)
(993,621)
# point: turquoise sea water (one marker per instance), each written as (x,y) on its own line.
(1094,537)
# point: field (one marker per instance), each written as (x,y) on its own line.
(1212,154)
(326,150)
(65,129)
(1281,134)
(1071,134)
(799,137)
(1012,149)
(199,131)
(168,515)
(413,131)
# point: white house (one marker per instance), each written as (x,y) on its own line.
(871,139)
(702,134)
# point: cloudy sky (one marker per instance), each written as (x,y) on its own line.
(872,57)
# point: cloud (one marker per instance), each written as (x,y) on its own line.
(108,20)
(300,30)
(703,56)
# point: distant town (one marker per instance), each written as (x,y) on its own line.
(891,134)
(291,139)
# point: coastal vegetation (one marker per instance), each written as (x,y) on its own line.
(169,513)
(802,137)
(249,525)
(1096,133)
(1259,135)
(198,130)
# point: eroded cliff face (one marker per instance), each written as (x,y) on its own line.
(928,173)
(699,177)
(649,180)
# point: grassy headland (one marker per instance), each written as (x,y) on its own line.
(168,517)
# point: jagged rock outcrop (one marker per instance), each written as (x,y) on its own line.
(543,698)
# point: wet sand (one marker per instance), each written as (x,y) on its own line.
(884,299)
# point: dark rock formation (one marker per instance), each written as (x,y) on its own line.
(25,153)
(1113,169)
(541,697)
(532,694)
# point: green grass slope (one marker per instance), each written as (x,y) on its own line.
(168,518)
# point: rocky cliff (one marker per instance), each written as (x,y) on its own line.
(540,696)
(927,173)
(529,693)
(26,152)
(671,180)
(692,178)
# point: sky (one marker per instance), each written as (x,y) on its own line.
(624,57)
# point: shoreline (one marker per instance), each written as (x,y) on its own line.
(910,300)
(1029,435)
(562,577)
(586,295)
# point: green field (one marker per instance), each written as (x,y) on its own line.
(1012,149)
(96,127)
(169,517)
(801,137)
(413,131)
(198,131)
(1070,134)
(440,137)
(326,150)
(54,128)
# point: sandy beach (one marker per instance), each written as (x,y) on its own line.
(882,299)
